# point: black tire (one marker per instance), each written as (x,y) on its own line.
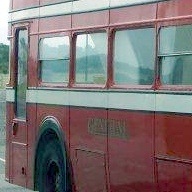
(51,169)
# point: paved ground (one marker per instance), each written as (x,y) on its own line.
(5,186)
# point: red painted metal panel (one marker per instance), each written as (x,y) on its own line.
(9,155)
(44,2)
(177,8)
(60,113)
(90,168)
(55,24)
(131,159)
(90,20)
(173,146)
(20,4)
(19,131)
(84,138)
(133,14)
(127,139)
(19,164)
(174,177)
(32,62)
(31,142)
(19,152)
(16,149)
(34,26)
(173,136)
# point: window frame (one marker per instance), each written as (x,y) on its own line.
(132,86)
(17,31)
(89,85)
(53,84)
(160,85)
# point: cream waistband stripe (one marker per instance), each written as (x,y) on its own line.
(72,7)
(179,103)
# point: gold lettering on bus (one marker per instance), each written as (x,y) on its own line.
(108,127)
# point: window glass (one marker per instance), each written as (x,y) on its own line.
(176,39)
(22,58)
(91,58)
(176,55)
(134,57)
(54,58)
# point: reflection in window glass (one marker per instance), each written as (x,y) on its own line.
(176,39)
(22,58)
(134,57)
(54,70)
(54,58)
(176,55)
(91,59)
(176,70)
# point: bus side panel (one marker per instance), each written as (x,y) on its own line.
(19,154)
(173,151)
(60,113)
(173,136)
(173,130)
(131,153)
(93,19)
(88,128)
(20,164)
(32,63)
(32,109)
(20,4)
(174,176)
(170,9)
(132,14)
(44,2)
(55,23)
(8,155)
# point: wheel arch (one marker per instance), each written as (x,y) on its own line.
(49,129)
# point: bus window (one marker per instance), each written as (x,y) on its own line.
(22,59)
(54,59)
(176,55)
(91,58)
(134,57)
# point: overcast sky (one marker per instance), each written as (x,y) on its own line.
(4,8)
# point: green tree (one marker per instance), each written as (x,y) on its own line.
(4,58)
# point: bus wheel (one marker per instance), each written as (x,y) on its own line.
(52,169)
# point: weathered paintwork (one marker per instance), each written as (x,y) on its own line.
(117,150)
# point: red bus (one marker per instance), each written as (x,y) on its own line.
(99,97)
